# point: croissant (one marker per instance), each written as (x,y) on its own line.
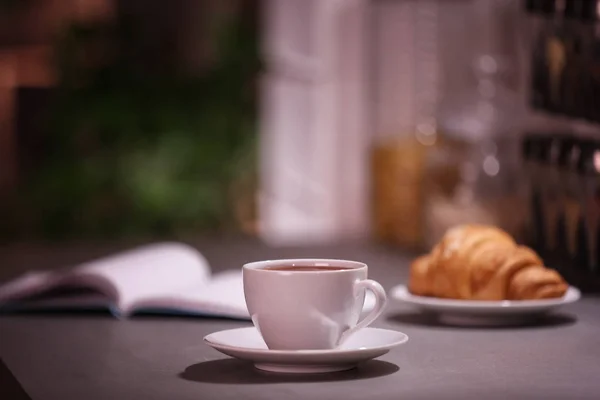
(479,262)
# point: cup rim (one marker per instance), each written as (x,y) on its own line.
(261,265)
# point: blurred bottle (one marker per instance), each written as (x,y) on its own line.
(570,195)
(562,42)
(540,29)
(589,172)
(579,37)
(552,154)
(590,32)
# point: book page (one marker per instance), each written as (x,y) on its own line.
(147,272)
(222,296)
(64,299)
(51,290)
(28,284)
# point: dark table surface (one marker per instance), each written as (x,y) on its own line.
(97,357)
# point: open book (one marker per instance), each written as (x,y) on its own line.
(164,278)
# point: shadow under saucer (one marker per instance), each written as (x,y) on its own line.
(230,370)
(430,319)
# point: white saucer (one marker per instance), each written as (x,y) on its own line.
(247,344)
(477,309)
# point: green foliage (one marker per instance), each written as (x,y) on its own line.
(137,152)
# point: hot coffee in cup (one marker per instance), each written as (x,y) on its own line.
(303,304)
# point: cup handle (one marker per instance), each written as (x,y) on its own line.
(380,302)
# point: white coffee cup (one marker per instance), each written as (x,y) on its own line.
(309,309)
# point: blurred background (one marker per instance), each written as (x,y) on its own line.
(301,121)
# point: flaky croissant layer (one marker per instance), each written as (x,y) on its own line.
(480,262)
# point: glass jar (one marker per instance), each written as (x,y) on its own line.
(473,172)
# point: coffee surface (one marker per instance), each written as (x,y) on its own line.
(300,268)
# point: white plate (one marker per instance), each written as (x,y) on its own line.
(478,309)
(247,344)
